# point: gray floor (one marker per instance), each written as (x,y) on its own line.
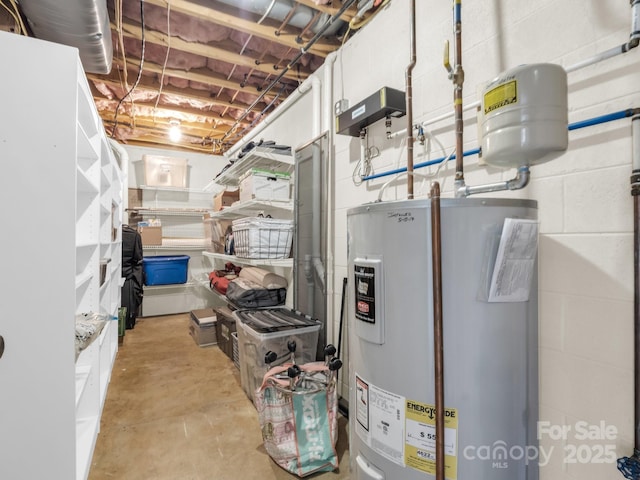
(177,411)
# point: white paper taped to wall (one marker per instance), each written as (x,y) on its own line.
(513,270)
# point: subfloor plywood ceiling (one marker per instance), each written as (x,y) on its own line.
(214,69)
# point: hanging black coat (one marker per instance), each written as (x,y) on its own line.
(132,273)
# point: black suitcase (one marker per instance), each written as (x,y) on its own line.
(132,289)
(244,293)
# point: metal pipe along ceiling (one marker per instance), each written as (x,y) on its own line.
(83,24)
(281,9)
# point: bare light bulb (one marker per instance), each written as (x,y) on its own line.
(174,133)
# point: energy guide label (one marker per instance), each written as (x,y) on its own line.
(420,439)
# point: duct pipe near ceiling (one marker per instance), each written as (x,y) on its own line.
(409,100)
(345,6)
(83,24)
(438,343)
(281,9)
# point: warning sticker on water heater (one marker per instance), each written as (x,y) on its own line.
(515,262)
(380,416)
(365,280)
(420,447)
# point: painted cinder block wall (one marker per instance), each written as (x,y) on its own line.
(585,209)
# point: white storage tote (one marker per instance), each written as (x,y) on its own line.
(257,237)
(265,185)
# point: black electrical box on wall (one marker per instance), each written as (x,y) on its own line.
(386,102)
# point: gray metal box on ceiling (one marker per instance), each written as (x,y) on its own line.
(385,102)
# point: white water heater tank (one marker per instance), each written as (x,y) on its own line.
(523,118)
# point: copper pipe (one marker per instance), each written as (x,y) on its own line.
(438,348)
(458,80)
(409,101)
(636,313)
(286,19)
(308,26)
(635,192)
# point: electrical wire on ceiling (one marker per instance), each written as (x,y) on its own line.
(17,18)
(118,10)
(166,58)
(233,69)
(115,120)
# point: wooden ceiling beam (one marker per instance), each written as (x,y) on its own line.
(154,86)
(346,16)
(245,22)
(162,126)
(165,143)
(163,133)
(268,66)
(177,112)
(208,78)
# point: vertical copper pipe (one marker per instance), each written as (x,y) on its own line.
(438,348)
(636,311)
(458,80)
(409,101)
(635,192)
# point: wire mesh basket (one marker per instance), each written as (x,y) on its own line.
(257,237)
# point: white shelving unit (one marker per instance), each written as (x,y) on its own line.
(61,200)
(265,159)
(260,157)
(252,208)
(182,213)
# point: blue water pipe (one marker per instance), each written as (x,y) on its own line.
(610,117)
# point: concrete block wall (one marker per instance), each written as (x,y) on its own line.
(586,252)
(585,210)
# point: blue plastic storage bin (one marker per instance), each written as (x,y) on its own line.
(165,270)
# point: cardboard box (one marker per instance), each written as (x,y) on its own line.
(135,197)
(225,199)
(151,235)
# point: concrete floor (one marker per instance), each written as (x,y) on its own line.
(176,411)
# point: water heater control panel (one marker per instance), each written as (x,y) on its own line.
(369,299)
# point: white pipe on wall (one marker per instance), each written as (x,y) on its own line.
(327,122)
(282,108)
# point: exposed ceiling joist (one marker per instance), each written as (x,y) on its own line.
(200,75)
(163,125)
(148,85)
(346,16)
(245,22)
(151,140)
(178,112)
(269,65)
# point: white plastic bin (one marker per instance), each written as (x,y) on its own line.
(259,184)
(162,171)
